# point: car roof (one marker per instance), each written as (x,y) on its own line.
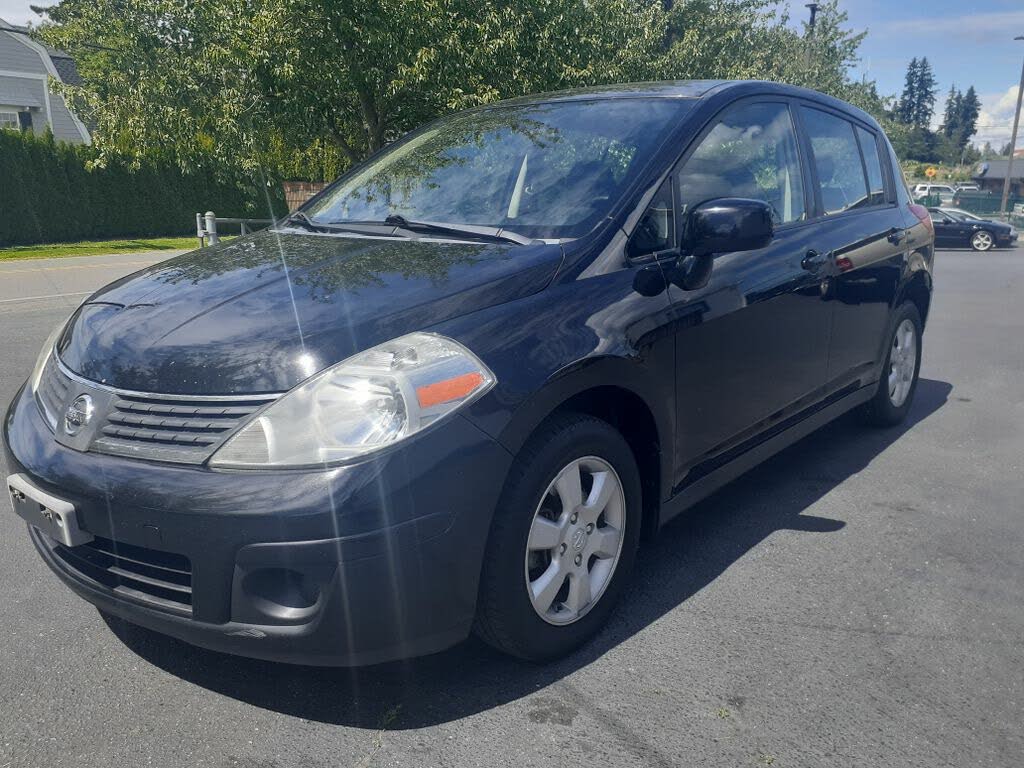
(688,89)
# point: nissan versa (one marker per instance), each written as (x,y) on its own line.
(456,390)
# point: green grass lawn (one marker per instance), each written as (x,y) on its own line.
(96,247)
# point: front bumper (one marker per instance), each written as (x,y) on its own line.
(347,566)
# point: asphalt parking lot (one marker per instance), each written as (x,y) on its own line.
(855,601)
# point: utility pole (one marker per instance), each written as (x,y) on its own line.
(814,13)
(1013,140)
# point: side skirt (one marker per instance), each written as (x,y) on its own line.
(711,482)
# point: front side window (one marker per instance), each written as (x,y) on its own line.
(541,170)
(837,159)
(751,152)
(8,121)
(873,164)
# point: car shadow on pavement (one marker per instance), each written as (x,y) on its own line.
(688,554)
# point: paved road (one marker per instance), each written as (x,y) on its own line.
(855,601)
(67,281)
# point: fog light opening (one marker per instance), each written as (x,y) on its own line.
(280,591)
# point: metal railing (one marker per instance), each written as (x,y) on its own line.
(206,226)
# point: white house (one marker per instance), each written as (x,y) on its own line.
(26,101)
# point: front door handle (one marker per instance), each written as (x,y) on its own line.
(813,261)
(895,236)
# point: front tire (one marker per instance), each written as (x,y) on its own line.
(898,383)
(982,241)
(563,540)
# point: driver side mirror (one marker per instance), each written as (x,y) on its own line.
(723,225)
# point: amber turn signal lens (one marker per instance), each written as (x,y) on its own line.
(450,389)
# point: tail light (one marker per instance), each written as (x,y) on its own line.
(923,216)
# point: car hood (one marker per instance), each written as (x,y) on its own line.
(264,312)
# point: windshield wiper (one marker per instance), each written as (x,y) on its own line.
(466,230)
(303,221)
(355,227)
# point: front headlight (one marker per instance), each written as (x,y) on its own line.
(44,355)
(368,402)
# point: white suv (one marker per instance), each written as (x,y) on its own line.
(944,191)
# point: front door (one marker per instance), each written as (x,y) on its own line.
(751,346)
(948,232)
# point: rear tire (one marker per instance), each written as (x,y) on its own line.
(896,387)
(553,569)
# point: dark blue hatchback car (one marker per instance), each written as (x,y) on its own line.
(458,387)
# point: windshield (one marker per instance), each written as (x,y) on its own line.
(541,170)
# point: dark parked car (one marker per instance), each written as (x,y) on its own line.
(960,229)
(460,386)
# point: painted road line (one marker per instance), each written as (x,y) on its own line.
(47,296)
(77,266)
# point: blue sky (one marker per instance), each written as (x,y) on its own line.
(968,42)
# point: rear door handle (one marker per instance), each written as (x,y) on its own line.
(895,236)
(813,261)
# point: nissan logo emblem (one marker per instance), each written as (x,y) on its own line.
(78,414)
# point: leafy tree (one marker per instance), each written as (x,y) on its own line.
(951,115)
(305,87)
(906,107)
(970,108)
(917,102)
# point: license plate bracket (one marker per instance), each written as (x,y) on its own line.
(53,516)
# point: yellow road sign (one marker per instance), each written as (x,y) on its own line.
(930,173)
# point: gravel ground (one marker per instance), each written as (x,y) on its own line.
(856,600)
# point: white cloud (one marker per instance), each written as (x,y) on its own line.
(978,27)
(995,120)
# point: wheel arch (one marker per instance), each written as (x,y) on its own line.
(613,390)
(917,287)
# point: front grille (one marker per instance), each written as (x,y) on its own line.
(159,579)
(163,427)
(184,429)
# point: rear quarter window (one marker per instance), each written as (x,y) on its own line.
(873,165)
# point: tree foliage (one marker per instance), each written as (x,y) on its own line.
(55,192)
(306,87)
(917,102)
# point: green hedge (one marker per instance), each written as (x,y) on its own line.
(50,193)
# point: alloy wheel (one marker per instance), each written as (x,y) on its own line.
(575,540)
(902,362)
(981,241)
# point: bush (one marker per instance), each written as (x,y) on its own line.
(52,193)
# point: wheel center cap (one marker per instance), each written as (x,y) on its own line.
(579,538)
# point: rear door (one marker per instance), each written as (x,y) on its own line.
(863,234)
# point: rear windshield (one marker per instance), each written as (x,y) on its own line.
(541,170)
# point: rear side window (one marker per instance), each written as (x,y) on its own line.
(873,164)
(838,162)
(751,152)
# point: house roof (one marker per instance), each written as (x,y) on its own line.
(996,169)
(62,60)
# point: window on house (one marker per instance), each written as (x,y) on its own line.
(9,121)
